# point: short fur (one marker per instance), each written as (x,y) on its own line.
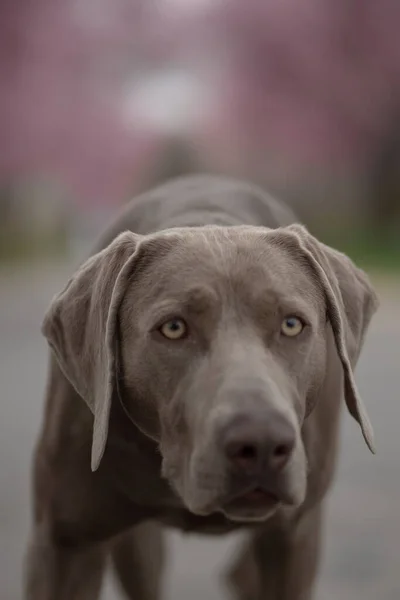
(130,438)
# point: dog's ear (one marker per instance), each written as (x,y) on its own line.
(80,327)
(351,302)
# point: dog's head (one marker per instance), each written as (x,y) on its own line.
(216,341)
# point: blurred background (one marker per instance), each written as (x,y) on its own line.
(100,100)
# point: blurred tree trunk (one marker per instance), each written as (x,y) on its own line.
(6,205)
(385,183)
(177,158)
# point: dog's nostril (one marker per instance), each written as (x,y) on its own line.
(280,455)
(243,455)
(281,450)
(247,453)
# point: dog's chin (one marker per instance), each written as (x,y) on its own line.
(253,506)
(244,514)
(248,515)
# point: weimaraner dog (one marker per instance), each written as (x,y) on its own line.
(198,363)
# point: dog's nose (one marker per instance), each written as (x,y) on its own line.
(253,442)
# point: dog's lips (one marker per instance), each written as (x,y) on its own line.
(254,498)
(259,495)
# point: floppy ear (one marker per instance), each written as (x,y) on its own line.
(351,303)
(80,327)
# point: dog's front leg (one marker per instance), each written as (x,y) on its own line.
(138,559)
(280,565)
(58,572)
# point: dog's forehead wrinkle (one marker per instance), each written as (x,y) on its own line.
(221,241)
(212,265)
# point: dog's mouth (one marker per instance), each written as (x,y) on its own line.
(256,503)
(259,496)
(255,496)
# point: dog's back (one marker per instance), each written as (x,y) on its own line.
(199,200)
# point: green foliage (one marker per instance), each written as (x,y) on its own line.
(24,248)
(369,248)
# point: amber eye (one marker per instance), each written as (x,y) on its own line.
(175,329)
(292,326)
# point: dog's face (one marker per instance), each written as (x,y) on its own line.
(218,338)
(225,335)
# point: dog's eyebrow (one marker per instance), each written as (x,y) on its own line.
(200,298)
(197,300)
(271,300)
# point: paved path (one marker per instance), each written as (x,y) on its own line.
(362,556)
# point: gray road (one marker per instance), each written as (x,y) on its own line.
(362,556)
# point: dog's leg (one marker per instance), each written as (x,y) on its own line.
(56,572)
(280,565)
(138,559)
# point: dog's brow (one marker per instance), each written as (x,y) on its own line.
(195,299)
(199,299)
(271,299)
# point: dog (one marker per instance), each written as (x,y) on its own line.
(198,362)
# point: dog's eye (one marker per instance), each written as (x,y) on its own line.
(175,329)
(292,326)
